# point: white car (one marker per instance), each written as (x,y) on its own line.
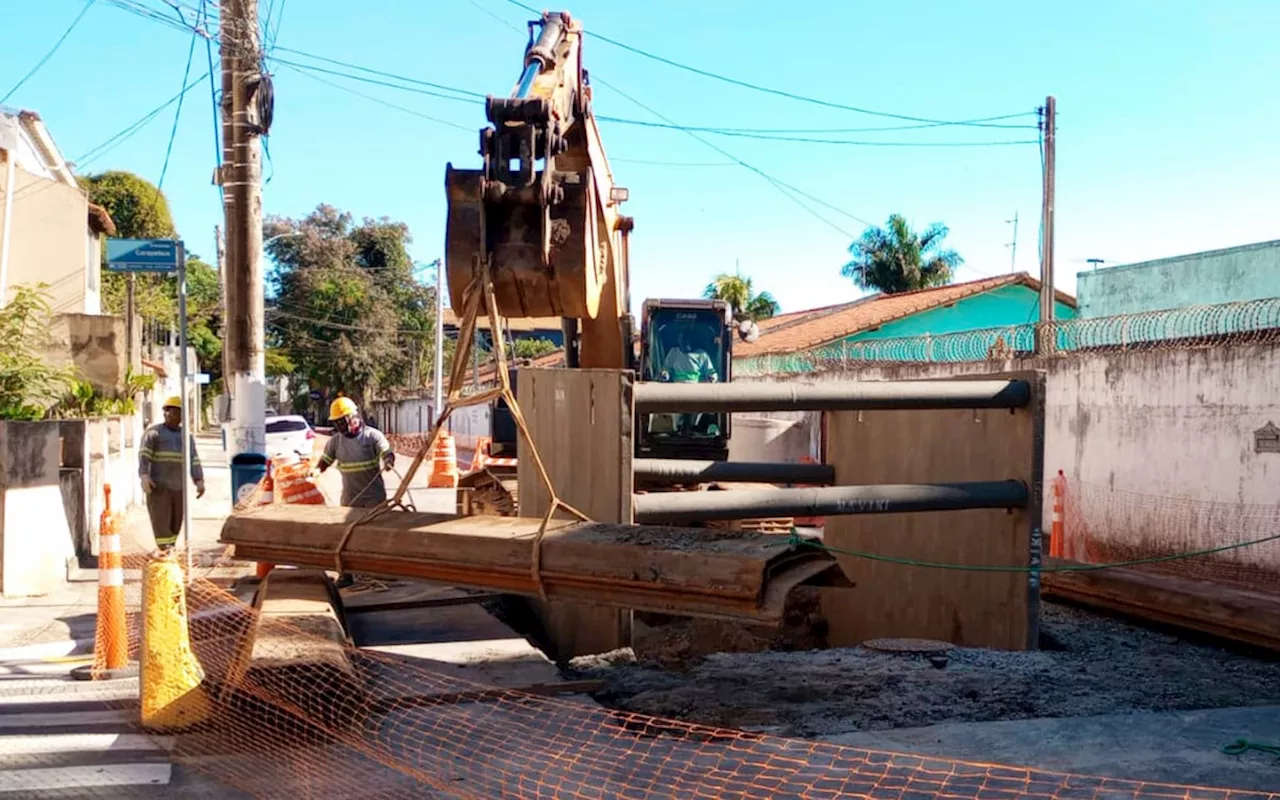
(289,435)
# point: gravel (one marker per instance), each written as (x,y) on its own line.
(1088,665)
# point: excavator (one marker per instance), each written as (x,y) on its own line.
(544,205)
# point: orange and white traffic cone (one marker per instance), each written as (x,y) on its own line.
(110,641)
(444,464)
(268,497)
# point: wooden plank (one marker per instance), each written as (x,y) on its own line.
(581,424)
(1226,612)
(970,608)
(695,571)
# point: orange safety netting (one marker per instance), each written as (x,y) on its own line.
(391,726)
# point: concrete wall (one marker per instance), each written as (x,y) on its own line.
(1008,305)
(1176,423)
(35,540)
(1250,272)
(96,345)
(97,453)
(52,243)
(414,415)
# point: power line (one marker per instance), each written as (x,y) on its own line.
(177,114)
(130,130)
(376,82)
(787,189)
(213,101)
(776,92)
(379,73)
(52,50)
(775,137)
(380,101)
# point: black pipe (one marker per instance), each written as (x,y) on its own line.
(683,398)
(679,470)
(890,498)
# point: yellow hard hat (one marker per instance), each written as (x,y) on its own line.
(342,407)
(173,402)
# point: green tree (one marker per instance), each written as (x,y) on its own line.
(896,259)
(348,311)
(736,290)
(29,384)
(140,211)
(533,348)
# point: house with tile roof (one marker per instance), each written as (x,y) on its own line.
(998,302)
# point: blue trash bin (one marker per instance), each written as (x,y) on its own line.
(247,471)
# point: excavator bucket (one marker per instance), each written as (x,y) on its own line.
(534,210)
(539,252)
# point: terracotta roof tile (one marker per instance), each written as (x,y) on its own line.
(803,330)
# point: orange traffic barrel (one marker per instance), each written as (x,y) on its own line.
(444,463)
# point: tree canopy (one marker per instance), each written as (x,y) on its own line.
(141,211)
(896,259)
(348,312)
(736,290)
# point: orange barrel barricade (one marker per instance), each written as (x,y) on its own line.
(110,641)
(481,454)
(296,487)
(1056,534)
(444,464)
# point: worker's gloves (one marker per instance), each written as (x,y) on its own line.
(388,462)
(664,376)
(199,489)
(713,379)
(148,485)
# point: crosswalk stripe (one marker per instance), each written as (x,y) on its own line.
(77,742)
(63,719)
(52,779)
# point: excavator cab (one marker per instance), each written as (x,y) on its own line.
(685,341)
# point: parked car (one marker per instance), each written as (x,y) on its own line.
(287,435)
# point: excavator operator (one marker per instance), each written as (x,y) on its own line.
(687,363)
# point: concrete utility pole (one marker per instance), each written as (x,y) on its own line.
(246,368)
(1047,340)
(220,253)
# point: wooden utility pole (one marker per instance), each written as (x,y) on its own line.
(220,253)
(1047,339)
(242,184)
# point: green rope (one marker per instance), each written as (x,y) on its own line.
(1241,746)
(796,540)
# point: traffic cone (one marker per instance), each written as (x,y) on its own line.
(444,464)
(110,640)
(171,683)
(1057,545)
(268,497)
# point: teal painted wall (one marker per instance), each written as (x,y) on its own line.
(1009,305)
(1251,272)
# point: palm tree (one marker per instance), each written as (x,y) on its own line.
(736,290)
(896,259)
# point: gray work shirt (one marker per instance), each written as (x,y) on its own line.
(160,458)
(359,459)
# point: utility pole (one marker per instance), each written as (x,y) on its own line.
(1047,340)
(130,324)
(1013,246)
(437,397)
(220,253)
(246,369)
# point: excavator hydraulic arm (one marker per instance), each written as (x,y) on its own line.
(543,209)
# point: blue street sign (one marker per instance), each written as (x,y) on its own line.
(143,255)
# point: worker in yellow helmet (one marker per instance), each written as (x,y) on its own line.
(160,469)
(361,453)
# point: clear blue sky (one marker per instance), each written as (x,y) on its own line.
(1167,122)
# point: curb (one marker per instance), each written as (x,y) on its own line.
(47,650)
